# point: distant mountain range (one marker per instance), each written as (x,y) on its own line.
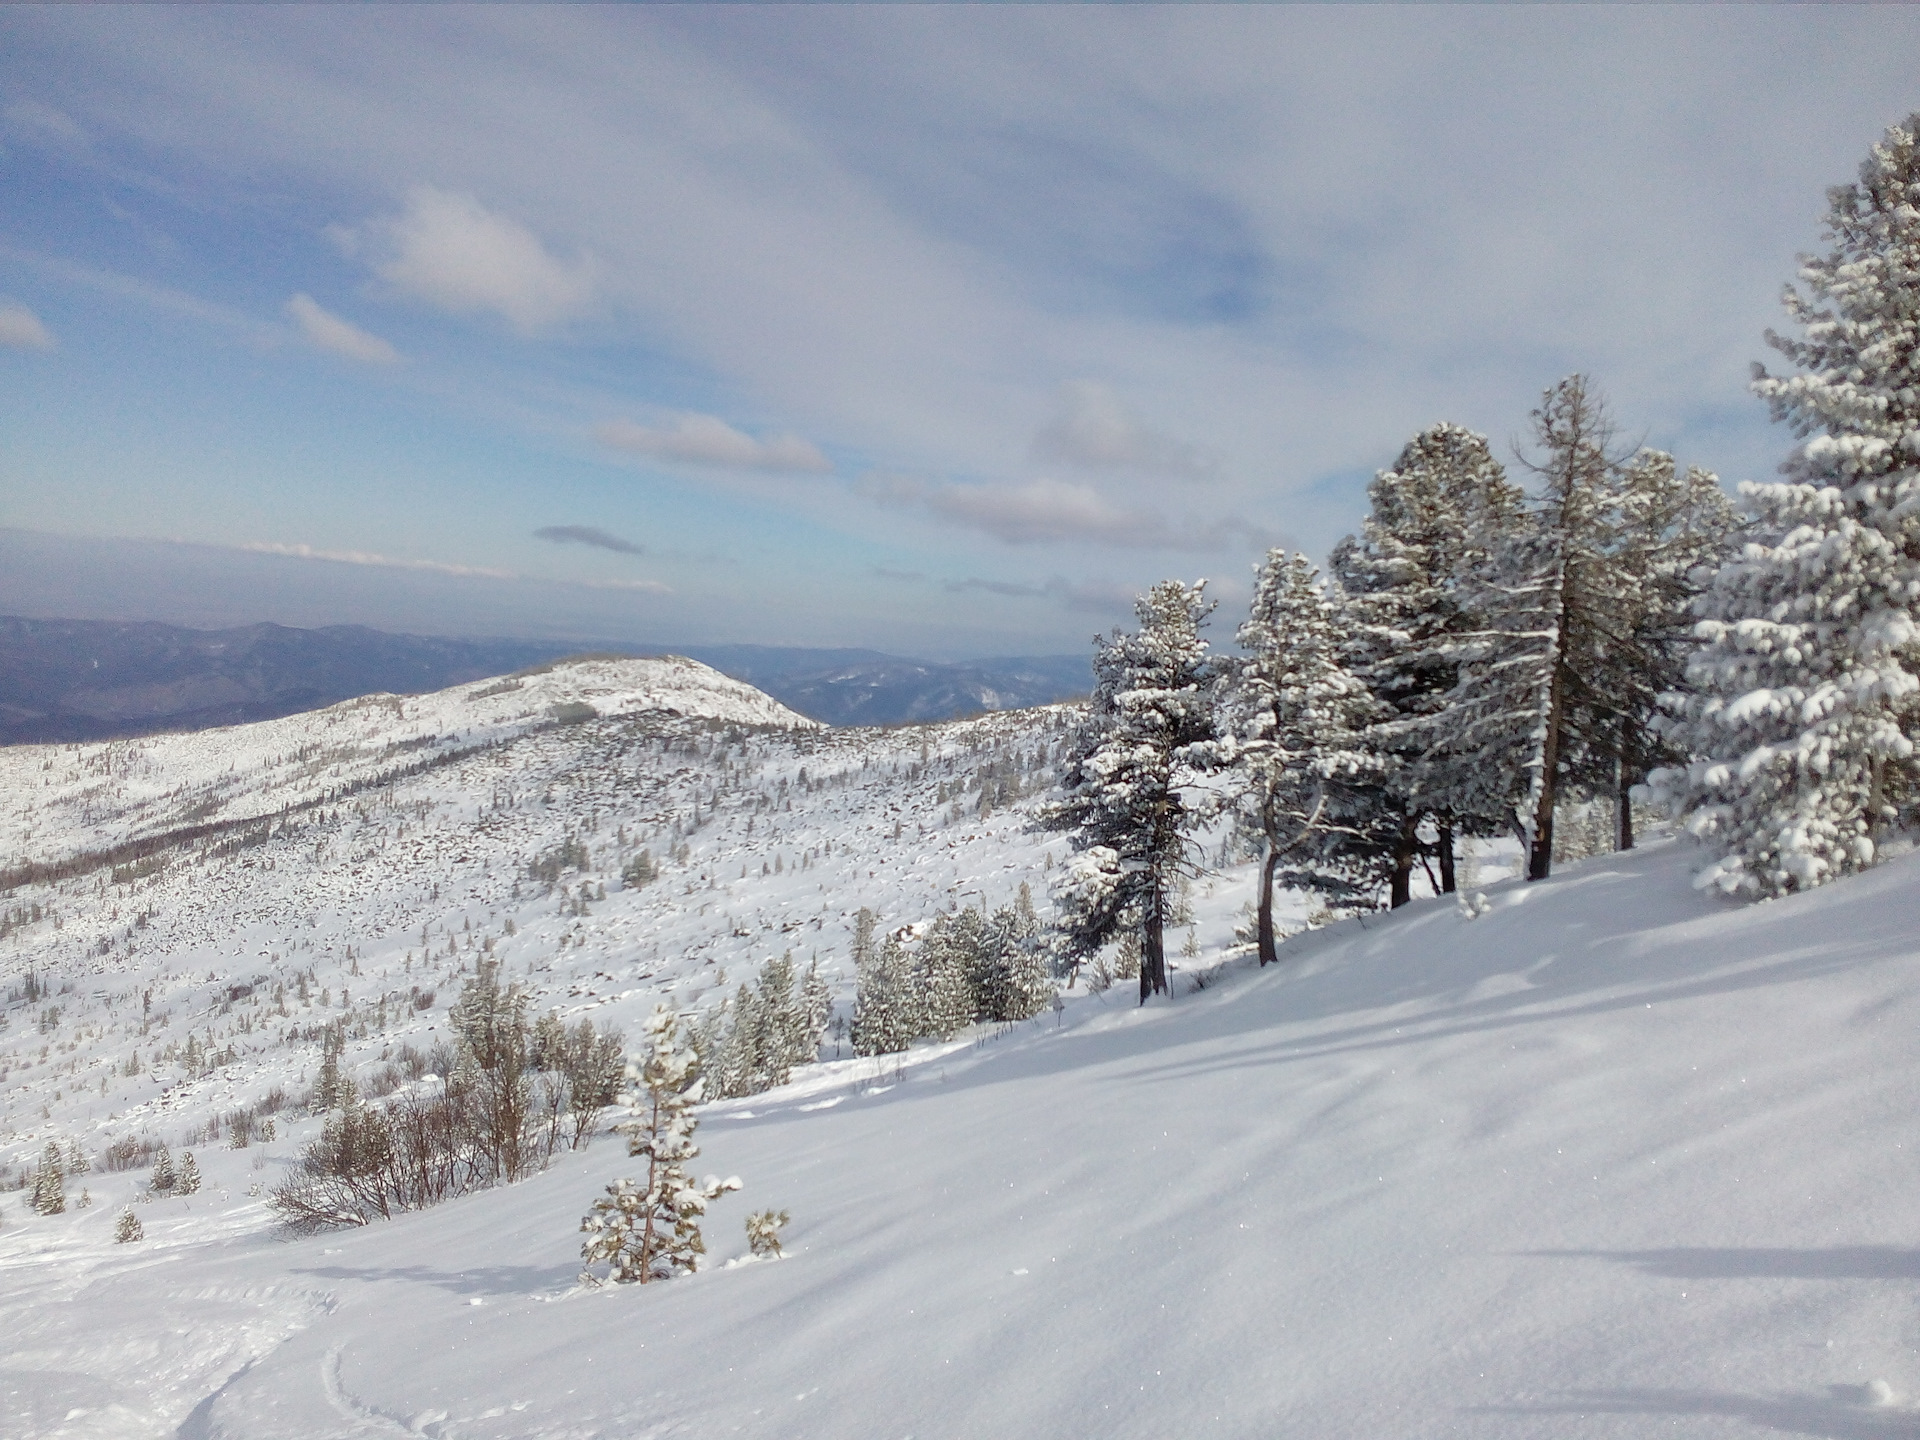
(93,679)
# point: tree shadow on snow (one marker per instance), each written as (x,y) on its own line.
(487,1280)
(1842,1262)
(1845,1412)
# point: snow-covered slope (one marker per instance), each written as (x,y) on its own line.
(1608,1161)
(1611,1159)
(58,798)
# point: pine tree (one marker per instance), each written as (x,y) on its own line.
(1674,531)
(943,966)
(1008,974)
(328,1091)
(1407,580)
(1290,720)
(1128,773)
(1554,603)
(188,1180)
(128,1229)
(763,1232)
(1806,692)
(49,1183)
(650,1230)
(163,1179)
(887,1013)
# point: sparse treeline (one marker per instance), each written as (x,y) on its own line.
(1489,651)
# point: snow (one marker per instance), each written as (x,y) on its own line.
(1613,1157)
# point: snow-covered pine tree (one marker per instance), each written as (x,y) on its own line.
(1290,716)
(944,963)
(887,1013)
(649,1229)
(816,1009)
(1009,974)
(1806,693)
(163,1178)
(1406,580)
(127,1228)
(767,1034)
(326,1084)
(49,1183)
(763,1232)
(1125,782)
(187,1182)
(1555,600)
(1674,531)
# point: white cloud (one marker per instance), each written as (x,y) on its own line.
(708,440)
(368,557)
(451,251)
(21,329)
(1092,429)
(329,332)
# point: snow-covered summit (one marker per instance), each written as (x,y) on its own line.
(65,798)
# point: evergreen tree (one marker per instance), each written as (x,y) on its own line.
(763,1232)
(1674,530)
(650,1230)
(1290,719)
(1129,768)
(49,1183)
(163,1178)
(943,969)
(1555,602)
(1008,974)
(329,1088)
(128,1229)
(887,1013)
(187,1182)
(1407,580)
(1806,692)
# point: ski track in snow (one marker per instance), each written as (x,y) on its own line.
(1612,1159)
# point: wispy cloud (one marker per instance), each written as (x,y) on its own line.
(327,331)
(1100,598)
(160,297)
(587,535)
(20,328)
(644,587)
(709,440)
(368,557)
(452,252)
(1043,511)
(43,122)
(1092,429)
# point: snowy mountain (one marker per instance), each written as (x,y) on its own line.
(65,680)
(1612,1157)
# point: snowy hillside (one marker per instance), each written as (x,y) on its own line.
(186,914)
(62,798)
(1611,1159)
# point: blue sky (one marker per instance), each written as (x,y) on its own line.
(939,330)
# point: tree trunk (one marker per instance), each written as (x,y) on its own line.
(1269,949)
(1404,847)
(1623,772)
(1445,846)
(1153,960)
(1540,857)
